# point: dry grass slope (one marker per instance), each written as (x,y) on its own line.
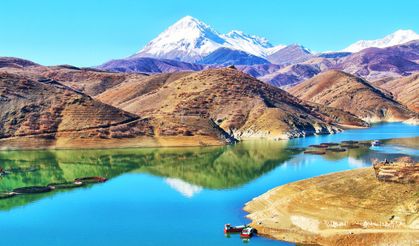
(239,104)
(352,94)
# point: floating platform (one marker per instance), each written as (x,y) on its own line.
(318,146)
(336,149)
(315,152)
(349,142)
(329,144)
(349,146)
(66,185)
(32,190)
(91,180)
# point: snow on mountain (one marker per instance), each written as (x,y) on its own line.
(187,40)
(274,49)
(398,37)
(190,40)
(251,44)
(226,57)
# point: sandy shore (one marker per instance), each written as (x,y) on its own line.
(345,208)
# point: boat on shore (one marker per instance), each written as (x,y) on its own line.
(248,232)
(228,228)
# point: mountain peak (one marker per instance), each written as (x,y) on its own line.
(398,37)
(404,32)
(190,39)
(189,22)
(186,40)
(188,18)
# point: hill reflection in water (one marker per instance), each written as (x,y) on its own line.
(187,170)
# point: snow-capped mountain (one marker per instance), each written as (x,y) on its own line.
(251,44)
(190,40)
(396,38)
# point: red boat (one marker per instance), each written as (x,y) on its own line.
(247,232)
(232,229)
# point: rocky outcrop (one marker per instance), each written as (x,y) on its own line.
(402,170)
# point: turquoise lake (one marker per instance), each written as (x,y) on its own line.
(167,196)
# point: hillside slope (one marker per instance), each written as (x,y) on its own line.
(352,94)
(238,103)
(405,90)
(43,113)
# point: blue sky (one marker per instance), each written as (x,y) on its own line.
(90,32)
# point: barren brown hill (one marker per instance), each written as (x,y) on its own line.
(44,113)
(238,103)
(211,107)
(13,62)
(405,90)
(352,94)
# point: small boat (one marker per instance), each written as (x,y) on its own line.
(233,229)
(247,232)
(376,143)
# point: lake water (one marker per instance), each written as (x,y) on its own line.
(166,196)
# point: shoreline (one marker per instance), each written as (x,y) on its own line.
(42,142)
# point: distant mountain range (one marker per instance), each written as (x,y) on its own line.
(396,38)
(192,45)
